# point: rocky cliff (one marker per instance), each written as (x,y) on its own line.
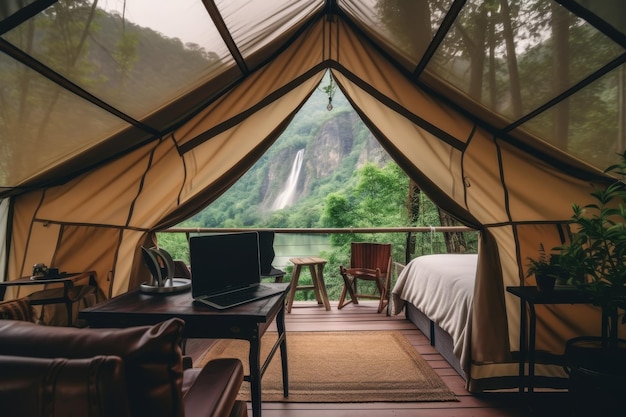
(341,143)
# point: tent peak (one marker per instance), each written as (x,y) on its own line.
(330,7)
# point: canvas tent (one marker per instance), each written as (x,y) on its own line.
(121,118)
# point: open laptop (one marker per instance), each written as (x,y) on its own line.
(225,270)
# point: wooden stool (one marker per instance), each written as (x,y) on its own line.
(316,266)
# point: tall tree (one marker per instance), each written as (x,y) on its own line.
(560,73)
(511,58)
(377,200)
(477,53)
(410,22)
(68,40)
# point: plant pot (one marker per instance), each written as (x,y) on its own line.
(597,377)
(545,282)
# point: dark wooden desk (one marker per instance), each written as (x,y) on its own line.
(49,295)
(247,322)
(529,296)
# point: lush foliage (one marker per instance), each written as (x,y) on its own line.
(377,199)
(596,255)
(545,265)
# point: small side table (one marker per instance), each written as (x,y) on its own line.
(62,292)
(316,266)
(529,296)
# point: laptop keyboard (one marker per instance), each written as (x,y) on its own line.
(240,297)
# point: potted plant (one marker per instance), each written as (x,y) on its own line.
(595,257)
(545,270)
(595,260)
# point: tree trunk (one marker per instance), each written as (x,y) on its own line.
(414,213)
(477,53)
(560,73)
(491,40)
(511,59)
(455,241)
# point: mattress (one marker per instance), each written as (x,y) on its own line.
(442,287)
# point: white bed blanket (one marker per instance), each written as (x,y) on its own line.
(442,287)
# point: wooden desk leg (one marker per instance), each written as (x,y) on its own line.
(320,287)
(295,276)
(254,360)
(68,303)
(280,324)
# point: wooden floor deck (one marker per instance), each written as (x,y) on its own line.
(306,316)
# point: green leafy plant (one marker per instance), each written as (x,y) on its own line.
(544,268)
(595,258)
(541,265)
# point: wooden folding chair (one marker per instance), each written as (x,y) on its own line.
(368,262)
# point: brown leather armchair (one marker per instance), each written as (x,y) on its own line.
(138,371)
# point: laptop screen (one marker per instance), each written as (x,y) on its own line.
(223,262)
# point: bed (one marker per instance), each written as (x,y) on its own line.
(436,292)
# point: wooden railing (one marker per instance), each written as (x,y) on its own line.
(309,247)
(409,231)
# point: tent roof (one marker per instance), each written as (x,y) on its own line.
(76,93)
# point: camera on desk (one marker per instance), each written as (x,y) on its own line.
(40,270)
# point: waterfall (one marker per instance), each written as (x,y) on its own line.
(285,198)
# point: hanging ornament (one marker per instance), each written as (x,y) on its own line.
(330,91)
